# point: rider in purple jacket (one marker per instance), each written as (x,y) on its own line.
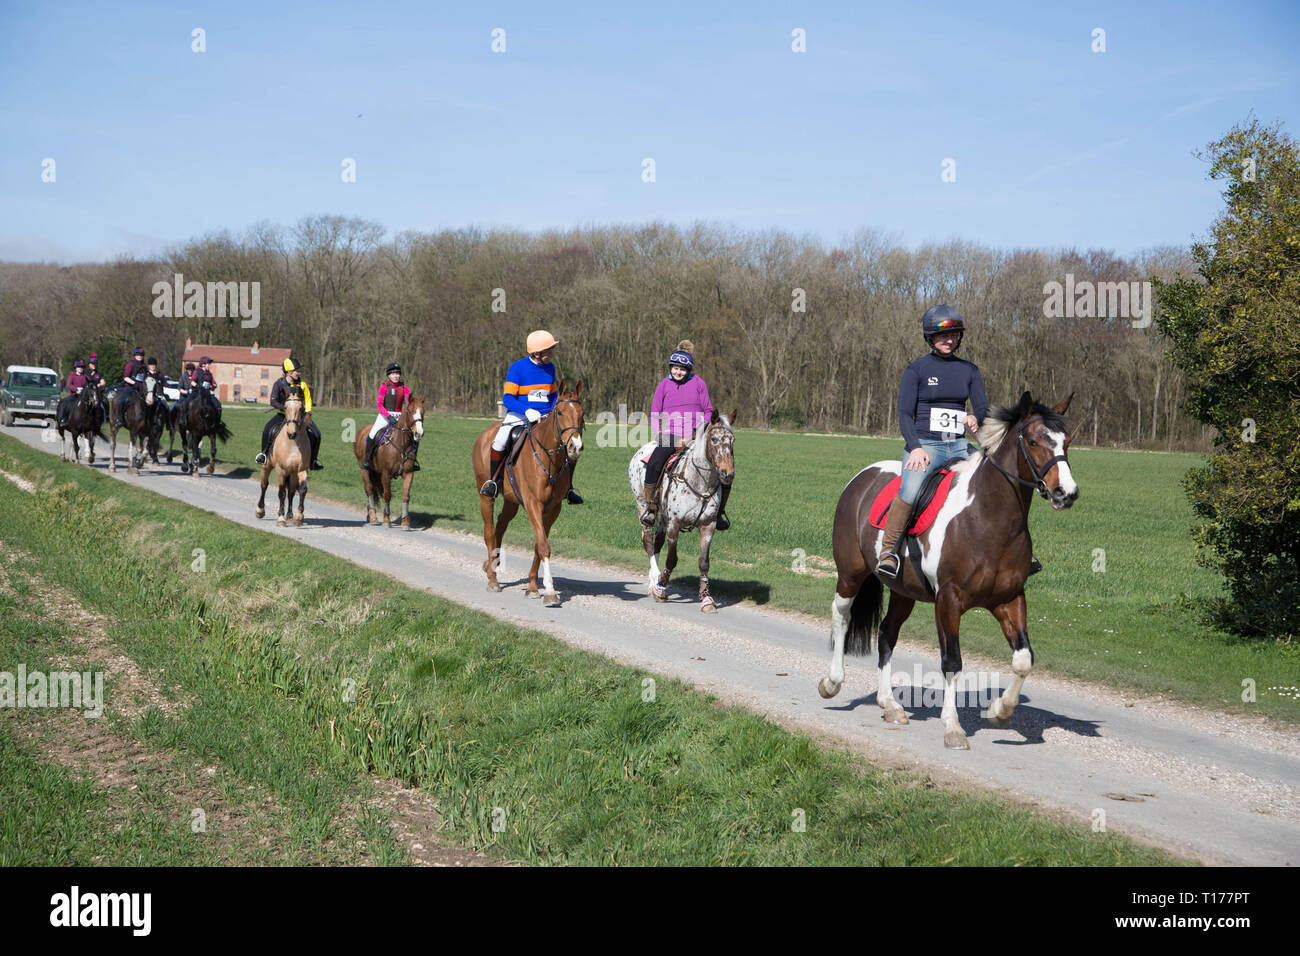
(681,404)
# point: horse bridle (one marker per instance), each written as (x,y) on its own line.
(560,433)
(1038,484)
(410,444)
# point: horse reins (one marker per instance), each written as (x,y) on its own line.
(1039,484)
(560,433)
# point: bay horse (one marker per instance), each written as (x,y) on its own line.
(196,418)
(976,554)
(538,482)
(394,455)
(690,496)
(81,415)
(290,457)
(144,414)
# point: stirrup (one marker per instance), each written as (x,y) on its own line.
(723,522)
(886,572)
(261,458)
(489,489)
(1035,566)
(572,497)
(317,466)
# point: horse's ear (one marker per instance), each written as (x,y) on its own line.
(559,389)
(731,419)
(577,392)
(1026,405)
(1061,407)
(714,419)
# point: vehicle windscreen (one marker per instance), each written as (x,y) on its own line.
(33,380)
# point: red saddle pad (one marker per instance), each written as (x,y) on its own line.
(880,506)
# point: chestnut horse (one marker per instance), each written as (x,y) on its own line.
(976,554)
(689,497)
(290,457)
(540,481)
(394,456)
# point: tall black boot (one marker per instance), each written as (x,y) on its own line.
(723,521)
(415,450)
(313,439)
(572,497)
(370,454)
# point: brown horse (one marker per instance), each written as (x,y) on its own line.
(394,456)
(689,497)
(976,554)
(198,416)
(291,457)
(540,481)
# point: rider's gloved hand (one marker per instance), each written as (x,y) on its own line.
(393,418)
(533,415)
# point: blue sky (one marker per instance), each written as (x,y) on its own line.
(1055,145)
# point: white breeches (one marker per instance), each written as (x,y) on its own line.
(503,433)
(381,421)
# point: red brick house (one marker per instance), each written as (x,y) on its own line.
(243,374)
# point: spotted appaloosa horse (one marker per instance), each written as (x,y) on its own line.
(976,554)
(689,497)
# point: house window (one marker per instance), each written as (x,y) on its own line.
(266,373)
(264,391)
(239,373)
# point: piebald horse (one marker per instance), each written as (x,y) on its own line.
(691,498)
(976,554)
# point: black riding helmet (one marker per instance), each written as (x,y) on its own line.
(393,367)
(942,318)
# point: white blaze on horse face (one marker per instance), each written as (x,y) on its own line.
(1066,479)
(419,424)
(575,446)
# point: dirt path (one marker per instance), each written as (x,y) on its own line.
(1221,788)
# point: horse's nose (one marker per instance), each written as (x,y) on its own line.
(575,446)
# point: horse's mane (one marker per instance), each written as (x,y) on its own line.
(998,422)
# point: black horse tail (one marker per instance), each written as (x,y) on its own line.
(223,433)
(864,617)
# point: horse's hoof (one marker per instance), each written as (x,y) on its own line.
(551,599)
(828,688)
(298,521)
(708,606)
(406,523)
(279,523)
(494,587)
(529,593)
(894,714)
(955,739)
(999,715)
(388,523)
(260,512)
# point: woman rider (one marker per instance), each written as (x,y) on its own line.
(392,398)
(931,414)
(680,403)
(279,391)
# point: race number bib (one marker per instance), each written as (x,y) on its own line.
(538,394)
(947,420)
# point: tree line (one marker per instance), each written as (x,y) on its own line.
(794,332)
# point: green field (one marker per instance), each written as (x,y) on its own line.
(1132,625)
(541,752)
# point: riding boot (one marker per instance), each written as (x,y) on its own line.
(415,450)
(370,453)
(895,524)
(489,489)
(313,439)
(650,498)
(1034,565)
(723,522)
(572,496)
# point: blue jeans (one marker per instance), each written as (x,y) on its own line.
(939,452)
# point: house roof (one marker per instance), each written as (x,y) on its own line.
(236,354)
